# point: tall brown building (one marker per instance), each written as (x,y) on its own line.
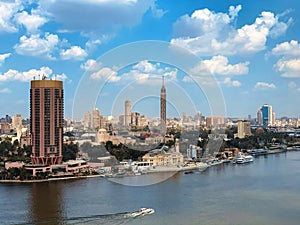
(163,99)
(47,118)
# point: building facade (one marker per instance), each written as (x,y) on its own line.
(87,120)
(16,121)
(265,115)
(127,113)
(47,119)
(244,129)
(96,119)
(215,121)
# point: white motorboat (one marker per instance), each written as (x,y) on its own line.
(244,159)
(142,212)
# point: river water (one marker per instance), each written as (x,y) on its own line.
(266,191)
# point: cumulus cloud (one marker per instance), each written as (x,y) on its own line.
(231,83)
(105,74)
(218,65)
(7,12)
(5,91)
(145,70)
(145,67)
(14,75)
(140,72)
(291,48)
(3,57)
(289,68)
(74,53)
(264,86)
(90,65)
(208,33)
(32,22)
(35,45)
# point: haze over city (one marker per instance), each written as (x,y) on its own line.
(251,49)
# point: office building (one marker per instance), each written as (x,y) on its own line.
(96,119)
(16,121)
(87,120)
(244,129)
(259,117)
(214,121)
(266,113)
(127,113)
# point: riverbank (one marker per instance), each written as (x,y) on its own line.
(50,179)
(157,169)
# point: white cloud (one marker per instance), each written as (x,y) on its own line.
(5,91)
(288,67)
(74,53)
(145,67)
(208,33)
(106,74)
(187,79)
(31,22)
(37,46)
(140,72)
(233,83)
(62,77)
(145,70)
(3,57)
(291,48)
(91,65)
(14,75)
(219,65)
(204,22)
(7,11)
(264,86)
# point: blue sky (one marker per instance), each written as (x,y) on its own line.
(250,48)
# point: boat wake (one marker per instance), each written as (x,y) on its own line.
(115,219)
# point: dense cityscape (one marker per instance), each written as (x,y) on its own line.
(49,146)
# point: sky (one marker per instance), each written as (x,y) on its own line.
(218,57)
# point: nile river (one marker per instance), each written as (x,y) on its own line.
(266,191)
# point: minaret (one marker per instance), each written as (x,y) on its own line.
(163,98)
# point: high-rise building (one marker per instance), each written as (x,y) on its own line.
(127,113)
(163,102)
(47,120)
(244,129)
(16,121)
(259,117)
(273,119)
(96,119)
(87,120)
(215,121)
(267,115)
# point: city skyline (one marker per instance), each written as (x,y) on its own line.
(251,49)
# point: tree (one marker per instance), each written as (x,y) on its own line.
(70,151)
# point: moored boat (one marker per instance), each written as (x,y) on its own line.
(244,159)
